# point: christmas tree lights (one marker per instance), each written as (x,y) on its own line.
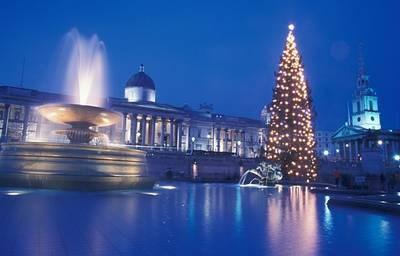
(291,141)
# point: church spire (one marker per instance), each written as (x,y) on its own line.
(361,68)
(362,79)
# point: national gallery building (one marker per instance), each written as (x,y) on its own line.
(146,124)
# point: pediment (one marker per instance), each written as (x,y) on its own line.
(349,131)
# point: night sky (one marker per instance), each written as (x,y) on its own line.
(220,52)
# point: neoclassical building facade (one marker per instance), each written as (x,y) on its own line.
(145,123)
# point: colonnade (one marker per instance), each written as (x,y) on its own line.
(230,140)
(6,122)
(351,150)
(151,130)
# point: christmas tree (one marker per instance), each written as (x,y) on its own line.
(291,141)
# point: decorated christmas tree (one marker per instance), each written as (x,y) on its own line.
(291,141)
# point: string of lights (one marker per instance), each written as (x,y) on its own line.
(291,140)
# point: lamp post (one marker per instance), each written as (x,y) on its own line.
(193,140)
(208,142)
(238,147)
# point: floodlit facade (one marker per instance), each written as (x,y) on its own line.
(145,123)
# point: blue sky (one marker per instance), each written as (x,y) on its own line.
(220,52)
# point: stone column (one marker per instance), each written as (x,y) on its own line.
(243,144)
(357,150)
(152,130)
(5,123)
(224,141)
(385,150)
(171,133)
(188,135)
(123,128)
(162,132)
(350,151)
(178,132)
(343,151)
(218,139)
(143,130)
(27,110)
(133,128)
(233,141)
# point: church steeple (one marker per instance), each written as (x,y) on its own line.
(362,79)
(365,111)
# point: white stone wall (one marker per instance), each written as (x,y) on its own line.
(136,94)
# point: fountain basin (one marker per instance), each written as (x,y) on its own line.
(79,115)
(81,118)
(68,166)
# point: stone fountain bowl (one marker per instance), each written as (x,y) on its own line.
(79,115)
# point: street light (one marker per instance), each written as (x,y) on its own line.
(238,147)
(380,142)
(193,140)
(396,157)
(326,152)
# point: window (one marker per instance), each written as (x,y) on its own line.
(359,119)
(372,118)
(199,133)
(358,106)
(371,105)
(1,114)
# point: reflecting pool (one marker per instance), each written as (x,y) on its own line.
(190,219)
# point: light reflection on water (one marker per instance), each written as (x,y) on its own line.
(203,219)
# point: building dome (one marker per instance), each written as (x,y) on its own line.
(140,87)
(141,79)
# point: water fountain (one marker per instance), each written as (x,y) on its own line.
(81,118)
(77,165)
(264,174)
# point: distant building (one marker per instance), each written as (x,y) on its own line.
(361,139)
(146,123)
(324,146)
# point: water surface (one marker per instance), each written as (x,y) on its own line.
(190,219)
